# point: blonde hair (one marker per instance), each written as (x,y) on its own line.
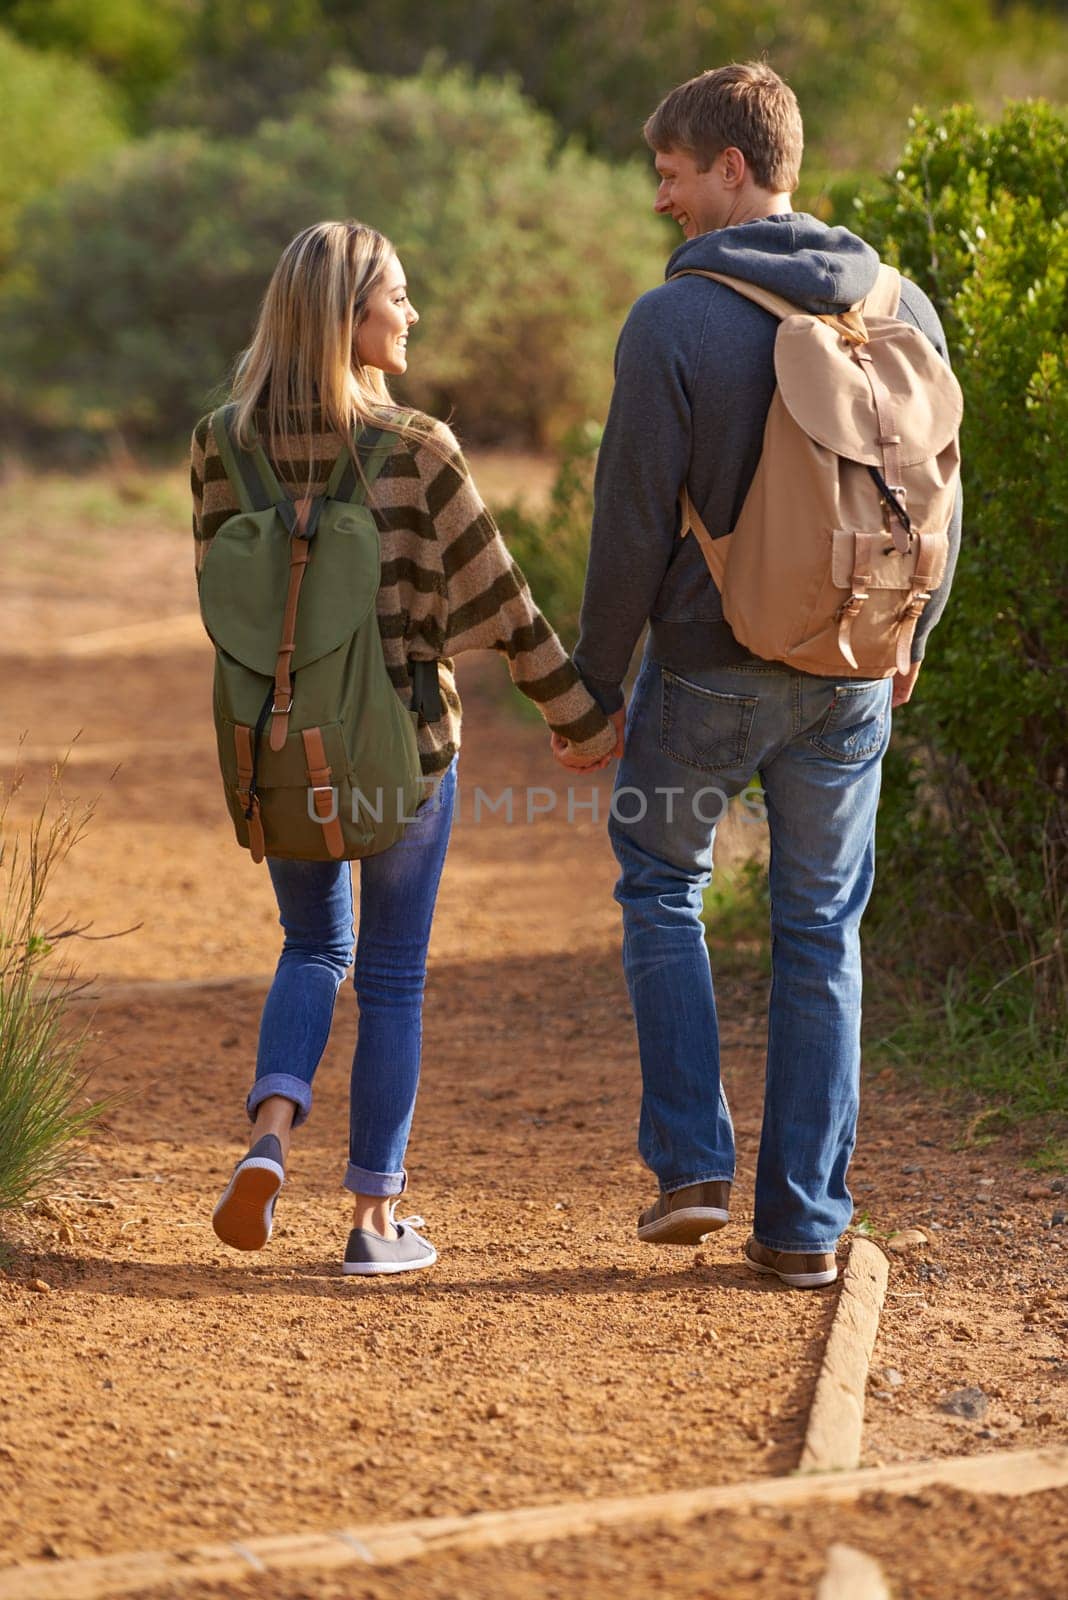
(747,106)
(302,358)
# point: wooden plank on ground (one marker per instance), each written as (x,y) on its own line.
(832,1438)
(851,1575)
(1007,1472)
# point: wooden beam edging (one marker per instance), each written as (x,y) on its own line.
(851,1575)
(832,1438)
(1007,1472)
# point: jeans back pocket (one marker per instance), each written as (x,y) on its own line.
(856,725)
(704,728)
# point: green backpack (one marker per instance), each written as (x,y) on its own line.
(318,755)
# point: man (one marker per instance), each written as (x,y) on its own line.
(694,380)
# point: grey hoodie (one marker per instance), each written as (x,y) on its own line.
(694,380)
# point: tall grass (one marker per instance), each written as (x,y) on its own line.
(967,980)
(44,1109)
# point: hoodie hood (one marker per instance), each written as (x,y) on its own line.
(823,270)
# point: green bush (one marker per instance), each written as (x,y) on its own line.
(600,66)
(140,283)
(43,1107)
(59,116)
(137,47)
(974,819)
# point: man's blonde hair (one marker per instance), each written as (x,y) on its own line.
(747,106)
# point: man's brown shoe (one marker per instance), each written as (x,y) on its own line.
(686,1215)
(795,1269)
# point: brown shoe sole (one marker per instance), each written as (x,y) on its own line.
(688,1225)
(243,1216)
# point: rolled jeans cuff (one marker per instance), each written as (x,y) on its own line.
(796,1247)
(359,1181)
(282,1083)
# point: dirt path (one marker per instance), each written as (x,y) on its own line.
(162,1388)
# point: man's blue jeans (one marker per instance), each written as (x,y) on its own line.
(691,744)
(398,891)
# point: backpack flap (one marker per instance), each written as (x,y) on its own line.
(244,583)
(830,398)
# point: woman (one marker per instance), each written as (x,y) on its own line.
(335,320)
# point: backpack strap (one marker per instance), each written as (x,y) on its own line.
(355,470)
(282,703)
(249,471)
(749,291)
(713,550)
(245,751)
(923,580)
(345,483)
(884,299)
(325,797)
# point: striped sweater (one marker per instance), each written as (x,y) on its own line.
(448,583)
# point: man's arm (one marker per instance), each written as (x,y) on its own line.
(642,465)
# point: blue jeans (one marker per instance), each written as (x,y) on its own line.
(398,890)
(690,745)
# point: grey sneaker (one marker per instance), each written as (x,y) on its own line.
(685,1215)
(244,1216)
(794,1268)
(368,1253)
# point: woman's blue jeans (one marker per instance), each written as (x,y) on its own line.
(691,744)
(398,891)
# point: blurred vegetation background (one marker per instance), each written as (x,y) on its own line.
(157,156)
(154,159)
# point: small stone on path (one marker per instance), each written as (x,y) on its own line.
(969,1402)
(906,1239)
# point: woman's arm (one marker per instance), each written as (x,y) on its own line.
(490,606)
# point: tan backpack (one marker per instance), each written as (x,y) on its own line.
(844,531)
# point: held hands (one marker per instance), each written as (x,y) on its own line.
(903,685)
(563,751)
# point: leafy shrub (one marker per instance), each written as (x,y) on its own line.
(43,1109)
(58,117)
(974,819)
(140,283)
(600,66)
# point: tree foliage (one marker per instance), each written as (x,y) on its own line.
(597,66)
(523,257)
(59,116)
(136,47)
(978,214)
